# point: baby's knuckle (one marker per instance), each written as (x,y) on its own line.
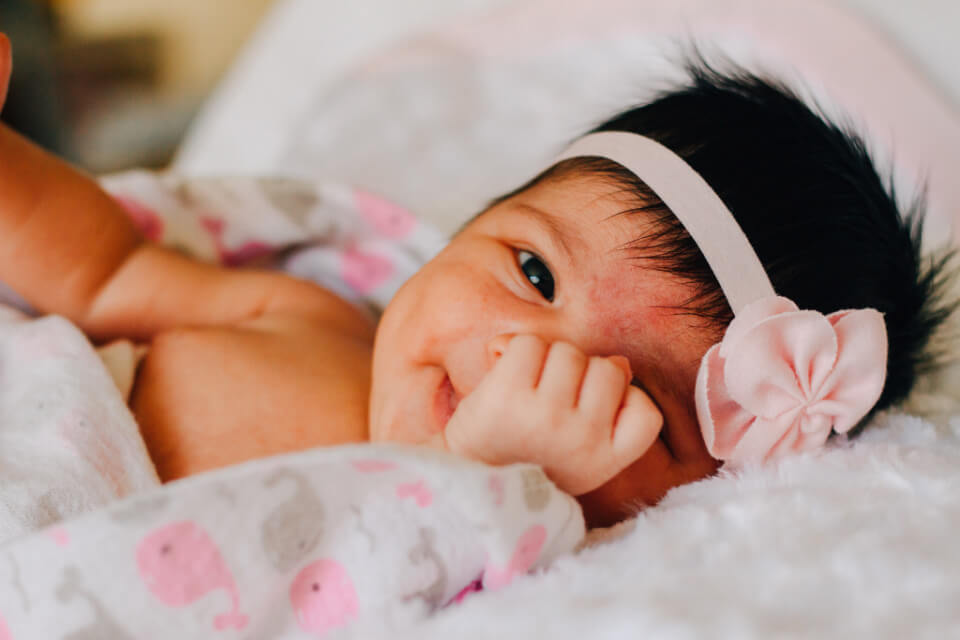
(526,340)
(606,368)
(566,351)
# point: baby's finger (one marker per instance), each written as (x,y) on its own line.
(623,363)
(602,390)
(636,428)
(437,441)
(521,363)
(562,373)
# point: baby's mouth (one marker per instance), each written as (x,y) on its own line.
(445,402)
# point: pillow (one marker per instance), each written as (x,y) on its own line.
(447,120)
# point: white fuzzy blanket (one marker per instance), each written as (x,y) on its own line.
(858,541)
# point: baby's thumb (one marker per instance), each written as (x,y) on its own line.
(636,428)
(437,441)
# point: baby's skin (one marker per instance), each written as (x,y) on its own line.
(518,342)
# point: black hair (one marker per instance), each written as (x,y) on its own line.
(824,223)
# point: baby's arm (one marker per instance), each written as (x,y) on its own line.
(68,248)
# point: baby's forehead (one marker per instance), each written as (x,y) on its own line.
(589,211)
(578,194)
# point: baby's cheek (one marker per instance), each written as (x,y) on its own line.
(621,311)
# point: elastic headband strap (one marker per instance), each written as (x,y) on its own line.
(708,221)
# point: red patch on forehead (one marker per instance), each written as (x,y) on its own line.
(628,307)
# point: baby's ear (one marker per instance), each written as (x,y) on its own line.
(6,66)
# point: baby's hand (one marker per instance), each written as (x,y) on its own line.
(6,66)
(576,416)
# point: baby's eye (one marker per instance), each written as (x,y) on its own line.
(537,273)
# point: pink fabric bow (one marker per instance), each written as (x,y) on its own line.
(782,378)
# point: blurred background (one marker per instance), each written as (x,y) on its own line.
(419,99)
(112,84)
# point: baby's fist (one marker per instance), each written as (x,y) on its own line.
(575,415)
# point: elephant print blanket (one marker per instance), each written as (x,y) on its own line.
(295,546)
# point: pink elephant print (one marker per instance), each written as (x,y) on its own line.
(389,219)
(474,587)
(146,219)
(180,564)
(418,490)
(495,484)
(525,554)
(323,597)
(372,465)
(230,255)
(60,536)
(364,271)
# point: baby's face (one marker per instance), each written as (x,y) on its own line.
(550,261)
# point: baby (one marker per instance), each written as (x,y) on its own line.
(565,325)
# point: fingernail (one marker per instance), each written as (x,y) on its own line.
(622,362)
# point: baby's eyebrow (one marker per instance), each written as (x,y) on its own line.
(559,232)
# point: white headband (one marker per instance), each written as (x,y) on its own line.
(708,221)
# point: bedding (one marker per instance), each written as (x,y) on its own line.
(68,443)
(444,114)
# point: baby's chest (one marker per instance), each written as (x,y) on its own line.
(209,397)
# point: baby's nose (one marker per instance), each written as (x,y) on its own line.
(496,347)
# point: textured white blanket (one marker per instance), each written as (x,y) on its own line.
(858,542)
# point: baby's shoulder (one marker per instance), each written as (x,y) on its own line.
(283,381)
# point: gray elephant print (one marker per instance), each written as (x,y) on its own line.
(103,626)
(536,489)
(425,552)
(294,527)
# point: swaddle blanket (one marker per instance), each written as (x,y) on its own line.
(67,442)
(348,240)
(292,546)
